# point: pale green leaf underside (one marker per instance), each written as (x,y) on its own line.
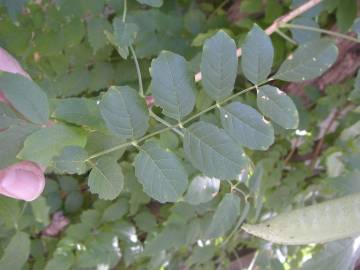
(332,220)
(308,61)
(278,106)
(16,253)
(124,36)
(161,173)
(125,112)
(152,3)
(172,85)
(202,189)
(246,126)
(257,55)
(219,66)
(106,178)
(213,152)
(43,145)
(26,97)
(225,216)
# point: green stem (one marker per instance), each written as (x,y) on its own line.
(165,123)
(125,11)
(141,88)
(176,125)
(323,31)
(286,37)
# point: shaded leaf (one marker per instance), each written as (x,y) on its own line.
(71,160)
(152,3)
(225,216)
(96,28)
(17,252)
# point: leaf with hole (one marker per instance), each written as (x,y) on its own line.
(246,126)
(219,66)
(213,152)
(172,85)
(278,106)
(161,173)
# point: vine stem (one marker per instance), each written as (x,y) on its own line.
(286,37)
(178,125)
(141,88)
(323,31)
(278,22)
(162,121)
(125,11)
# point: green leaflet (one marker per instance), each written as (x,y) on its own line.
(219,66)
(44,144)
(202,189)
(71,160)
(309,61)
(125,112)
(124,36)
(17,252)
(328,221)
(26,97)
(225,216)
(161,173)
(172,85)
(152,3)
(278,106)
(96,28)
(213,152)
(80,111)
(257,55)
(106,178)
(246,126)
(11,142)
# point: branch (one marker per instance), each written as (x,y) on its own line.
(278,22)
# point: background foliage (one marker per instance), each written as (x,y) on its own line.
(121,192)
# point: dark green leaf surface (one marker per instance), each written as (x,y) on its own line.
(278,106)
(219,66)
(246,126)
(106,178)
(309,61)
(213,152)
(124,112)
(16,253)
(161,173)
(257,54)
(172,85)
